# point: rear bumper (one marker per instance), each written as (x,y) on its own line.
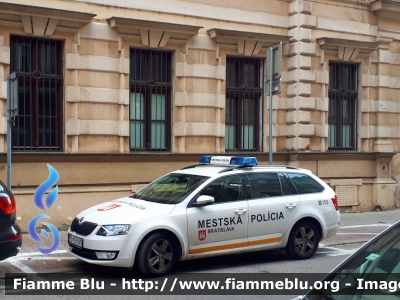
(9,249)
(331,230)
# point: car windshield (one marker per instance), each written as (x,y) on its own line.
(374,273)
(170,189)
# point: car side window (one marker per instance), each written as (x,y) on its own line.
(225,189)
(264,185)
(286,188)
(305,184)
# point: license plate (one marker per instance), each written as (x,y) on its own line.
(74,240)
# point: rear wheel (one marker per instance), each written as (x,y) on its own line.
(157,255)
(303,240)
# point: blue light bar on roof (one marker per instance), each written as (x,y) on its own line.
(205,159)
(244,161)
(229,160)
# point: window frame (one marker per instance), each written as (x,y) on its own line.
(342,133)
(149,86)
(264,173)
(237,92)
(36,70)
(243,190)
(308,176)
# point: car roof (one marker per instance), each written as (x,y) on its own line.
(213,170)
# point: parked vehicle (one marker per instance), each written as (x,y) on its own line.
(372,272)
(223,205)
(10,233)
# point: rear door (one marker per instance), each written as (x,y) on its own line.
(272,207)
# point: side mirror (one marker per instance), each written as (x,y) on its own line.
(203,200)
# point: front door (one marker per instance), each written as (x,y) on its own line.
(223,224)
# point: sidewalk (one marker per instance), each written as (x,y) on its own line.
(355,228)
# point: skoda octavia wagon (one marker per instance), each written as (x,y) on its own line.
(223,205)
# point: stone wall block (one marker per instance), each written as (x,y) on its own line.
(300,6)
(3,89)
(179,128)
(367,131)
(306,130)
(299,62)
(300,34)
(99,31)
(124,65)
(180,69)
(307,76)
(4,55)
(3,124)
(322,77)
(297,143)
(321,130)
(202,42)
(72,94)
(322,103)
(72,61)
(72,126)
(384,56)
(123,127)
(298,116)
(302,20)
(180,98)
(307,103)
(124,96)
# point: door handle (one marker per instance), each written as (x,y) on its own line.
(291,205)
(240,211)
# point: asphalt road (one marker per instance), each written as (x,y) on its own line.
(355,230)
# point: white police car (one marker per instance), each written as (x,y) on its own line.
(223,205)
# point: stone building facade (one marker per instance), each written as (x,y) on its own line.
(115,93)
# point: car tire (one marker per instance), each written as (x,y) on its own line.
(157,255)
(303,240)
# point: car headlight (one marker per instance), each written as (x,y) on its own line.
(112,230)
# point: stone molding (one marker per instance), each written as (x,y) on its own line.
(35,19)
(347,50)
(154,34)
(247,43)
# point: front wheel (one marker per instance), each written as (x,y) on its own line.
(157,255)
(303,240)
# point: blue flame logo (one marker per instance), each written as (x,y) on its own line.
(38,201)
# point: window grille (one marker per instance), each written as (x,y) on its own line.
(244,90)
(342,117)
(39,69)
(150,100)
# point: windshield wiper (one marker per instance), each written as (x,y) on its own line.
(132,196)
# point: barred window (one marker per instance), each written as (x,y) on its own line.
(38,65)
(150,100)
(342,116)
(244,90)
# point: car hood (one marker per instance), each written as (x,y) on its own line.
(124,211)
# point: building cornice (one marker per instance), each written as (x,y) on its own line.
(152,33)
(388,9)
(39,20)
(248,43)
(347,50)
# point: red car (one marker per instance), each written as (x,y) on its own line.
(10,233)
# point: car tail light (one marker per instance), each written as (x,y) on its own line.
(7,205)
(15,238)
(335,202)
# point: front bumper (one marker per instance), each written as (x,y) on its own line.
(122,245)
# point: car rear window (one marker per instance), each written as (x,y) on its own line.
(264,185)
(305,184)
